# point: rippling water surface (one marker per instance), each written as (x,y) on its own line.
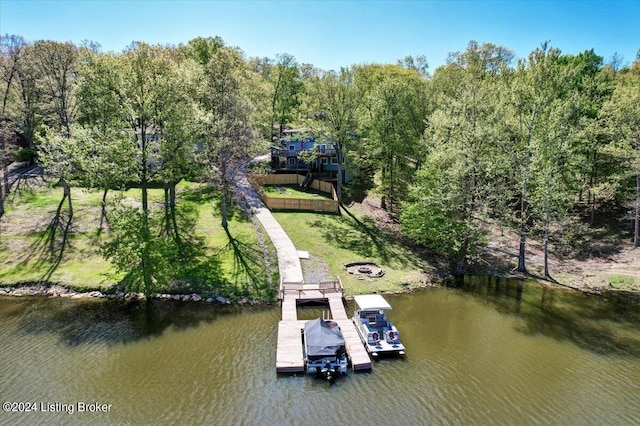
(488,352)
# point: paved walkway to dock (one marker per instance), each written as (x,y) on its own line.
(288,260)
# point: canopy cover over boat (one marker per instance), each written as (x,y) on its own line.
(371,302)
(321,339)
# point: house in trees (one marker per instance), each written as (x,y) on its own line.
(299,151)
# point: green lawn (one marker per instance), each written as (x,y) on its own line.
(340,239)
(293,191)
(234,261)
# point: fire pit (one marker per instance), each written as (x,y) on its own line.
(367,269)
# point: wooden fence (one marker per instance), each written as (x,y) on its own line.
(276,203)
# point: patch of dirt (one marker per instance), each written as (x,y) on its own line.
(617,270)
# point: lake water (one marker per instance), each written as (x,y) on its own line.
(487,352)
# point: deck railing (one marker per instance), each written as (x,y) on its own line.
(297,288)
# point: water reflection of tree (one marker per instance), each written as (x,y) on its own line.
(605,324)
(111,322)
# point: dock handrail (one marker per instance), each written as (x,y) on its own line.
(324,287)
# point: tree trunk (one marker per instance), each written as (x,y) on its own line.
(145,261)
(274,100)
(546,231)
(383,200)
(523,202)
(523,236)
(223,204)
(67,194)
(594,181)
(392,194)
(143,180)
(523,205)
(172,209)
(523,233)
(103,208)
(636,238)
(167,219)
(5,166)
(339,177)
(462,259)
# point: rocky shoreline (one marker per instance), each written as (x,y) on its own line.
(56,290)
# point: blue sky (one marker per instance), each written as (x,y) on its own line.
(331,34)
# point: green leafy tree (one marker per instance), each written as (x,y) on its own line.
(203,49)
(28,109)
(437,213)
(621,118)
(113,162)
(533,90)
(64,157)
(451,193)
(284,77)
(551,193)
(336,105)
(394,105)
(135,92)
(56,64)
(587,84)
(229,132)
(11,54)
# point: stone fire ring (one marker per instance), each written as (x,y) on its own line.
(367,269)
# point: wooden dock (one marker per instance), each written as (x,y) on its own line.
(289,353)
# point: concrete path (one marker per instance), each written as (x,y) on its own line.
(288,260)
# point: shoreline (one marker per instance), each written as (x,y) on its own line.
(53,290)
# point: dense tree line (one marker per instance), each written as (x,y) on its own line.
(536,144)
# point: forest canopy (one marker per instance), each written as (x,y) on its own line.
(546,145)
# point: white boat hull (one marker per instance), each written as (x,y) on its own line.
(378,334)
(382,347)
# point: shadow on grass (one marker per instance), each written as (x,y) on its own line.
(180,259)
(565,315)
(363,237)
(198,194)
(25,184)
(250,272)
(50,245)
(196,269)
(115,322)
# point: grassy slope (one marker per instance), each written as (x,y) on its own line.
(340,239)
(25,253)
